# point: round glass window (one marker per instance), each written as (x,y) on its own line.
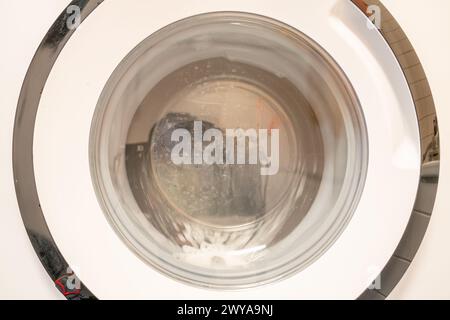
(228,150)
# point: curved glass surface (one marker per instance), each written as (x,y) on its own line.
(228,150)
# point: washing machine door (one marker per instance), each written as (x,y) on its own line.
(193,150)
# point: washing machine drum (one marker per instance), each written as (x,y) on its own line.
(192,151)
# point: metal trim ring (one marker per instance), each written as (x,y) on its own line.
(33,218)
(420,89)
(24,178)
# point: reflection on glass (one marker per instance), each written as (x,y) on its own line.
(206,217)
